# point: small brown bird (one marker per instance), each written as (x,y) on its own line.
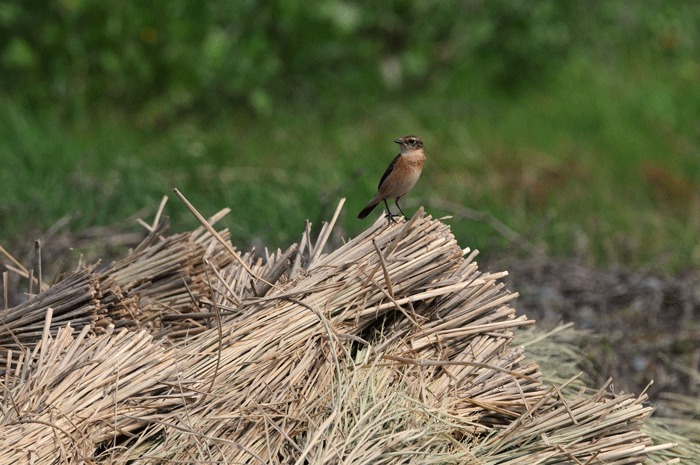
(399,177)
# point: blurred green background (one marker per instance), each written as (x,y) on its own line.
(574,124)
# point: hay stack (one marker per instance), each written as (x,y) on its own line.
(394,348)
(152,288)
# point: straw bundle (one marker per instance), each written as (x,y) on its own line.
(394,348)
(153,287)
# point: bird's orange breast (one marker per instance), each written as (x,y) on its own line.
(403,177)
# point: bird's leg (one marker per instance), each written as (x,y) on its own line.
(397,204)
(389,214)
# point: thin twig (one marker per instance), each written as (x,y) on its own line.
(220,331)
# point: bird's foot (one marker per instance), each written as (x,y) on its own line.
(390,217)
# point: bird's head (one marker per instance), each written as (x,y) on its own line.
(410,143)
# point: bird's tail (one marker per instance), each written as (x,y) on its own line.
(367,210)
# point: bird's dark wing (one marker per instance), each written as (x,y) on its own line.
(388,170)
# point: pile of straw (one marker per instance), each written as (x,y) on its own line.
(394,348)
(153,287)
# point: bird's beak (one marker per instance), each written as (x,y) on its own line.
(398,141)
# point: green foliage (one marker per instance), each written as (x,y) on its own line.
(575,123)
(182,55)
(48,173)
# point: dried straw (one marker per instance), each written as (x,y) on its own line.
(393,348)
(154,287)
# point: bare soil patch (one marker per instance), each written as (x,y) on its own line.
(641,325)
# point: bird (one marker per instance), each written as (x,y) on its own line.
(399,177)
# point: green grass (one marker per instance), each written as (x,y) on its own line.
(601,163)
